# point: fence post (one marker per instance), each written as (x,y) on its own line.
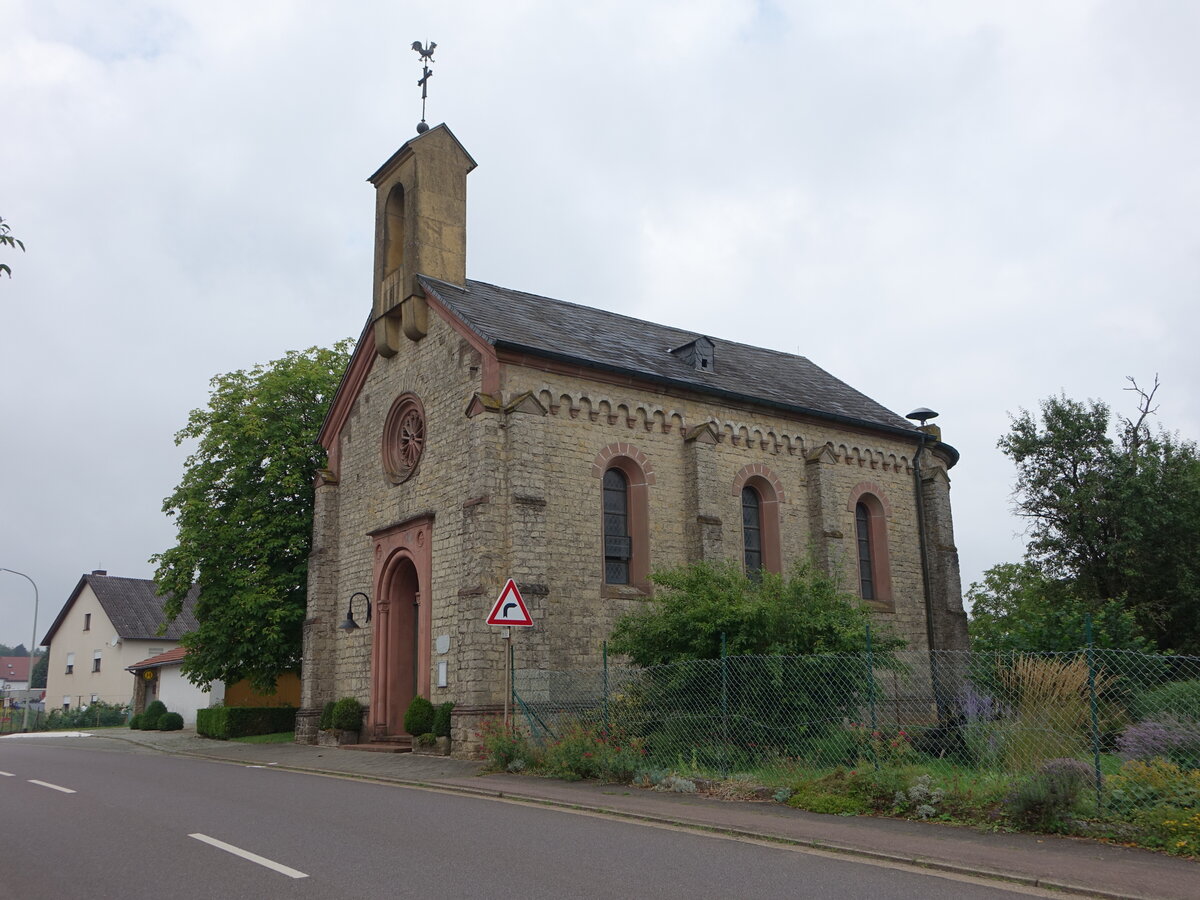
(870,659)
(605,654)
(724,709)
(1091,662)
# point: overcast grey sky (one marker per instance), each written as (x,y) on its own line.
(967,206)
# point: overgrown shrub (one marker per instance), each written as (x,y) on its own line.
(441,719)
(135,722)
(780,684)
(418,718)
(153,712)
(583,751)
(504,747)
(326,721)
(346,715)
(1044,800)
(170,721)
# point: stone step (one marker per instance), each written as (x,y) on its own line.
(391,744)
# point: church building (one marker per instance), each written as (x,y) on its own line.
(482,433)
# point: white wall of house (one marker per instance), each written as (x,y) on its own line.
(85,632)
(183,697)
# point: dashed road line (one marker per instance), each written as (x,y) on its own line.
(252,857)
(8,774)
(53,787)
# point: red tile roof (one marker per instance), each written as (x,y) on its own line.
(14,668)
(163,659)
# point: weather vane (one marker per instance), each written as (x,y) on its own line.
(423,84)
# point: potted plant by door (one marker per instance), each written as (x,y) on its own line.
(418,721)
(347,720)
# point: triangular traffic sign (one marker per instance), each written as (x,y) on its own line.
(510,609)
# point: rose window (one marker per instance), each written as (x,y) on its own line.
(403,438)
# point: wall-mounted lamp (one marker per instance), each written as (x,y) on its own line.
(350,624)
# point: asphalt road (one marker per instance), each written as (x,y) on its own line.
(97,824)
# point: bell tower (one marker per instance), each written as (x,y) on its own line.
(420,229)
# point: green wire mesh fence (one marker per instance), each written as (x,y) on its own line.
(1131,720)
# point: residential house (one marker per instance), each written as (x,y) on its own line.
(108,624)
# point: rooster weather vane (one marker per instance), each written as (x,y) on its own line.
(423,84)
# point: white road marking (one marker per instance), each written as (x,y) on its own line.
(8,774)
(53,787)
(246,854)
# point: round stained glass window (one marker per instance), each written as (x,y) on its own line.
(403,438)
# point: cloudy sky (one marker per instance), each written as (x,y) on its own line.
(965,206)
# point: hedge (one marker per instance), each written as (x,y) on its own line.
(225,722)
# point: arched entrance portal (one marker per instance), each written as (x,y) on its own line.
(400,652)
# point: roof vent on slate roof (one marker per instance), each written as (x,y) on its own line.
(700,354)
(99,571)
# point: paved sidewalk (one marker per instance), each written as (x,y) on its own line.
(1081,867)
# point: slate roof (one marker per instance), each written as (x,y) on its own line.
(568,332)
(133,607)
(153,662)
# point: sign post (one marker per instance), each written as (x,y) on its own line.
(509,611)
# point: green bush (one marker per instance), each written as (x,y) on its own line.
(135,722)
(441,719)
(1179,699)
(171,721)
(346,715)
(154,711)
(326,721)
(418,719)
(225,722)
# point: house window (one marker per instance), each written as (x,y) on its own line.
(871,512)
(95,697)
(866,559)
(618,545)
(66,702)
(96,661)
(752,530)
(87,621)
(70,663)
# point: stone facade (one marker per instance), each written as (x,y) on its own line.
(508,483)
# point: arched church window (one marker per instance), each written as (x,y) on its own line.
(752,530)
(618,545)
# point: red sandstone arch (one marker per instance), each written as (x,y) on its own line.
(400,644)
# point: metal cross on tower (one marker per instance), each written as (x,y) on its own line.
(423,84)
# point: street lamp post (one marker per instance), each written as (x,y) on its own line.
(32,645)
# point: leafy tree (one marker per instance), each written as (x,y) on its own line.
(244,516)
(41,667)
(1114,511)
(19,650)
(1017,607)
(7,240)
